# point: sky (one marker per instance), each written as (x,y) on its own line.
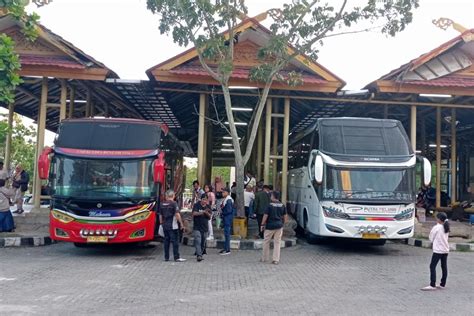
(124,35)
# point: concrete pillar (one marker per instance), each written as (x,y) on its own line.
(259,152)
(8,142)
(40,140)
(438,157)
(423,135)
(284,165)
(63,98)
(453,157)
(202,149)
(72,99)
(266,155)
(413,127)
(385,111)
(208,159)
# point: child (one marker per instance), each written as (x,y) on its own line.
(439,237)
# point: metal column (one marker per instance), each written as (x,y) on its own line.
(438,157)
(268,129)
(284,168)
(40,139)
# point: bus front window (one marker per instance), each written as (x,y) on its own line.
(94,178)
(369,184)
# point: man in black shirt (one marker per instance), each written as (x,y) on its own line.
(272,224)
(261,202)
(201,215)
(169,219)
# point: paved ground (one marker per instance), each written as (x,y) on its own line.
(328,279)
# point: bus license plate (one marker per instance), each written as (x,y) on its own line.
(97,239)
(370,236)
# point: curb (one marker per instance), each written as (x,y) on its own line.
(424,243)
(245,244)
(34,241)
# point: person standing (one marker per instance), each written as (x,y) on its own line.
(272,224)
(261,202)
(439,237)
(20,183)
(169,218)
(6,218)
(249,196)
(201,215)
(197,192)
(211,200)
(227,208)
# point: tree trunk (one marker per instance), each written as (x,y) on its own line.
(239,179)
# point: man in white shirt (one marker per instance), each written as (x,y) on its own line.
(249,196)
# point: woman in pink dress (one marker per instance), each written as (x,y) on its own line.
(211,197)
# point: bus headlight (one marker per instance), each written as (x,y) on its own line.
(138,217)
(405,215)
(63,218)
(334,212)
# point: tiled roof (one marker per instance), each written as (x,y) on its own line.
(238,73)
(57,61)
(450,81)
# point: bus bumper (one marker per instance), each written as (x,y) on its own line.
(96,233)
(331,227)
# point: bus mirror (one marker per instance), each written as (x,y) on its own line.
(318,169)
(43,163)
(426,172)
(159,169)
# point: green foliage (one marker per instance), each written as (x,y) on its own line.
(9,60)
(23,144)
(9,67)
(191,175)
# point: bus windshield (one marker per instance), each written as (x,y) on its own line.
(105,179)
(369,184)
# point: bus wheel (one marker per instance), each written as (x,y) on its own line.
(80,245)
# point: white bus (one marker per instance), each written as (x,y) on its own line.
(354,178)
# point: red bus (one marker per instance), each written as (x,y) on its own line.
(106,177)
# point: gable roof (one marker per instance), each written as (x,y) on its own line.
(186,68)
(447,69)
(52,56)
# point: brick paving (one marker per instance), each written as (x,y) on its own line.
(311,279)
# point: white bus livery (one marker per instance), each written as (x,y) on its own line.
(354,178)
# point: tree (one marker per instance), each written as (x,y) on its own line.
(23,145)
(303,24)
(9,60)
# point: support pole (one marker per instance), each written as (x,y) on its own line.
(72,99)
(201,138)
(88,103)
(268,130)
(385,111)
(438,157)
(284,165)
(40,139)
(63,98)
(275,148)
(259,152)
(413,127)
(8,142)
(453,157)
